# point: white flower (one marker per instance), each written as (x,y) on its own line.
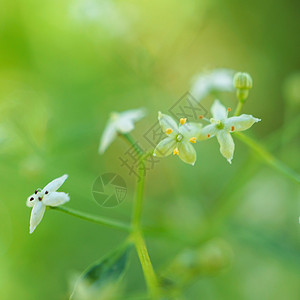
(119,123)
(220,80)
(48,196)
(221,126)
(179,139)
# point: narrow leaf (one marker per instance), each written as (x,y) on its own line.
(106,272)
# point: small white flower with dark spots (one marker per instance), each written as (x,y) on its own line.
(221,126)
(48,196)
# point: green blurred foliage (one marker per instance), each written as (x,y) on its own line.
(65,65)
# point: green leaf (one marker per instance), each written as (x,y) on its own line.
(104,273)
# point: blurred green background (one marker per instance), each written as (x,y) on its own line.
(65,65)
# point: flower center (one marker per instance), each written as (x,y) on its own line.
(179,137)
(40,195)
(219,125)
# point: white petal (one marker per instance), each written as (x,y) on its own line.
(165,147)
(226,144)
(217,80)
(207,132)
(219,111)
(30,203)
(167,122)
(133,114)
(108,136)
(201,86)
(187,153)
(119,122)
(189,130)
(125,121)
(56,198)
(222,80)
(55,184)
(240,123)
(37,214)
(124,125)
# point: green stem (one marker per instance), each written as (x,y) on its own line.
(264,154)
(239,108)
(133,143)
(148,231)
(99,220)
(138,205)
(269,158)
(150,276)
(137,238)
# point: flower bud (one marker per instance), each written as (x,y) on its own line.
(243,83)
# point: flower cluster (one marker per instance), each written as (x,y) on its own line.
(180,138)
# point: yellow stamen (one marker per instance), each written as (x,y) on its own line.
(176,151)
(182,121)
(193,140)
(169,130)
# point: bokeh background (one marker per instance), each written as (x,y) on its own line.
(65,65)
